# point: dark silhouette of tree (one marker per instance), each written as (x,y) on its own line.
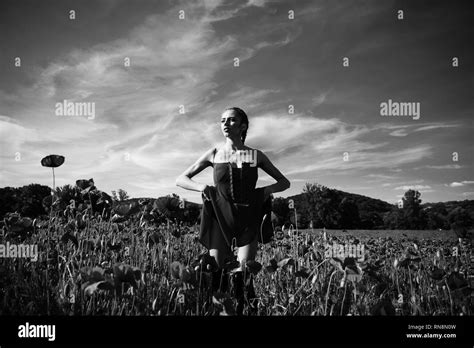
(349,214)
(114,195)
(26,200)
(324,204)
(9,200)
(281,210)
(436,220)
(460,221)
(413,218)
(66,193)
(436,216)
(393,220)
(122,195)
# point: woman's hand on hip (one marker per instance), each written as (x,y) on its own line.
(204,193)
(267,192)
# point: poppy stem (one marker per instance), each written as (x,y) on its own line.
(450,298)
(343,298)
(54,179)
(327,293)
(199,291)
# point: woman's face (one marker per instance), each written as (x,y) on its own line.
(230,124)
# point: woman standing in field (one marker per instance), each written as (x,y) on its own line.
(232,209)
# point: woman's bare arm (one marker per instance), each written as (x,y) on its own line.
(282,183)
(185,181)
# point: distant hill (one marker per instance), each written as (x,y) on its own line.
(332,208)
(325,209)
(363,202)
(465,204)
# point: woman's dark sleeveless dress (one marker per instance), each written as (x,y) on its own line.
(233,215)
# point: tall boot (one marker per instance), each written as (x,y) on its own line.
(238,291)
(250,295)
(220,280)
(244,292)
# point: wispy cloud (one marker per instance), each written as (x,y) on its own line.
(413,187)
(445,166)
(407,129)
(398,133)
(367,160)
(436,126)
(462,183)
(319,99)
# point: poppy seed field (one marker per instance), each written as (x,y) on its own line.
(89,266)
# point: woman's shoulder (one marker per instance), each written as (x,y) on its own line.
(208,156)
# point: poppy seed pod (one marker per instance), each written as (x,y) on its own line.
(52,161)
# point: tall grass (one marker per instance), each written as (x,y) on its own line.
(124,269)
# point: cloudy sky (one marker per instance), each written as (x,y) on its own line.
(140,141)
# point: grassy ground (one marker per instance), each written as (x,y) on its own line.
(94,267)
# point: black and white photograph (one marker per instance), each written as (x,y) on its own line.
(218,161)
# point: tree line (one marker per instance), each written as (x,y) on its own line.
(318,204)
(335,209)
